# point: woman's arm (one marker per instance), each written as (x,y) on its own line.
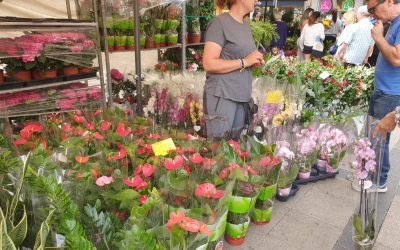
(214,64)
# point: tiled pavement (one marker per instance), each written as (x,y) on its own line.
(319,216)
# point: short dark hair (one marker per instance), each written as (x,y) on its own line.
(314,17)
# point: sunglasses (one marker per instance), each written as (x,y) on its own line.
(373,8)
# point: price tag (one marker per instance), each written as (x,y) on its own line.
(163,147)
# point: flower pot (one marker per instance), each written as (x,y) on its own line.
(149,42)
(172,39)
(218,230)
(23,75)
(159,24)
(358,245)
(111,43)
(172,11)
(1,76)
(284,191)
(304,175)
(235,233)
(37,75)
(85,69)
(194,38)
(157,40)
(69,71)
(163,40)
(263,208)
(120,42)
(142,42)
(130,42)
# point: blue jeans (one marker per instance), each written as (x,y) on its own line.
(380,105)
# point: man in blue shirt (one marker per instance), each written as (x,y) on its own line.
(386,95)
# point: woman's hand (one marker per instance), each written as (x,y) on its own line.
(255,58)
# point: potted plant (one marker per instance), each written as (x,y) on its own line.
(142,35)
(46,67)
(288,172)
(368,158)
(306,151)
(172,35)
(121,25)
(110,34)
(149,30)
(207,12)
(130,39)
(17,69)
(194,30)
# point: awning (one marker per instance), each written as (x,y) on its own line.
(282,3)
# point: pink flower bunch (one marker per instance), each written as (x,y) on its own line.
(162,100)
(89,44)
(31,49)
(8,46)
(307,141)
(21,97)
(266,112)
(74,36)
(284,153)
(331,140)
(116,75)
(365,159)
(76,48)
(176,113)
(95,93)
(65,104)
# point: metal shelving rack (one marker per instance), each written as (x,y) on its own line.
(48,25)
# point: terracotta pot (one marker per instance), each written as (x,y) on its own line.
(85,69)
(304,175)
(69,71)
(149,43)
(36,75)
(119,47)
(194,38)
(130,47)
(110,49)
(234,241)
(24,75)
(1,76)
(157,45)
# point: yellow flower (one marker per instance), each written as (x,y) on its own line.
(278,120)
(287,113)
(274,97)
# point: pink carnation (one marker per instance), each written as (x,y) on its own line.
(104,180)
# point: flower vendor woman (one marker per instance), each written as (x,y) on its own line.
(229,54)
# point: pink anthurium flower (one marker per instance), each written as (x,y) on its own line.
(175,218)
(187,169)
(252,171)
(190,150)
(194,226)
(148,170)
(66,127)
(78,118)
(98,112)
(153,136)
(234,144)
(98,136)
(119,155)
(268,161)
(171,164)
(136,181)
(196,158)
(208,190)
(105,125)
(89,126)
(104,180)
(122,130)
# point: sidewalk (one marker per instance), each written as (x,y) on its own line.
(320,215)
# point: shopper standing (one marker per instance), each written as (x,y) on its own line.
(386,96)
(335,28)
(358,44)
(312,36)
(229,54)
(281,29)
(304,21)
(349,18)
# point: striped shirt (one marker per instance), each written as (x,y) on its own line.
(311,34)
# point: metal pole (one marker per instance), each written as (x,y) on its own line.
(99,55)
(183,31)
(138,78)
(68,9)
(106,53)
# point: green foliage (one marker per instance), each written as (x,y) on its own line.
(44,231)
(286,177)
(136,238)
(364,232)
(263,32)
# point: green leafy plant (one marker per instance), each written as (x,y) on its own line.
(263,32)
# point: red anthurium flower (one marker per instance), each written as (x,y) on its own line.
(79,132)
(122,214)
(204,150)
(208,163)
(177,150)
(89,126)
(252,171)
(139,141)
(139,131)
(98,136)
(175,218)
(242,154)
(33,127)
(152,136)
(98,112)
(122,130)
(187,169)
(81,159)
(87,138)
(20,141)
(25,133)
(120,154)
(190,150)
(268,161)
(234,144)
(95,173)
(105,125)
(66,127)
(44,144)
(148,170)
(136,181)
(208,190)
(224,173)
(78,118)
(196,158)
(194,226)
(143,199)
(138,169)
(140,150)
(215,145)
(148,148)
(171,164)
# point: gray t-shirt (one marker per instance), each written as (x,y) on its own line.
(237,42)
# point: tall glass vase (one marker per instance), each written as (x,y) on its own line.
(364,218)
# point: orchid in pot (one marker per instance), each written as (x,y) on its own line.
(332,148)
(366,170)
(306,151)
(288,171)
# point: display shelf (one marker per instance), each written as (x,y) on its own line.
(12,87)
(132,50)
(194,44)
